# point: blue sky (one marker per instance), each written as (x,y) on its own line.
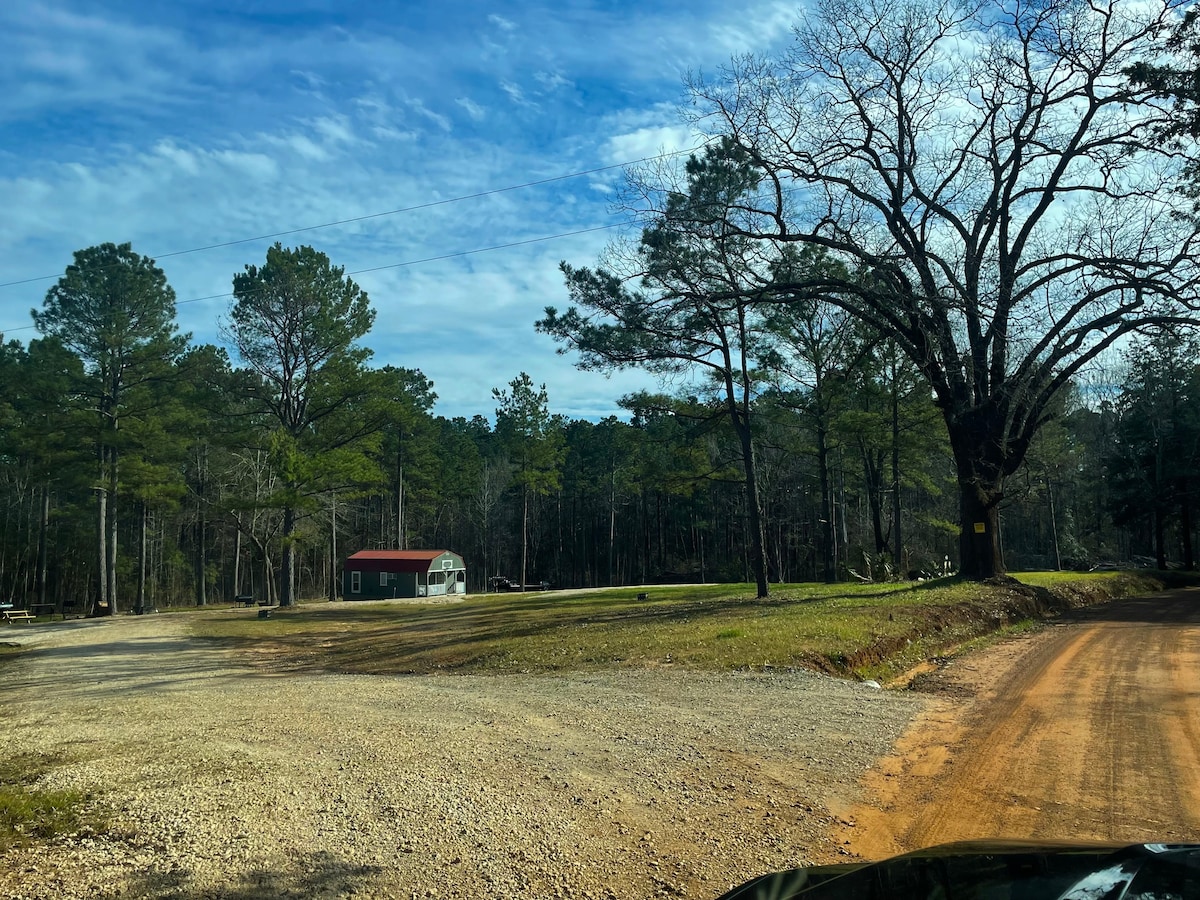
(178,125)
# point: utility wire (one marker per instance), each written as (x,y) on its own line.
(414,262)
(392,212)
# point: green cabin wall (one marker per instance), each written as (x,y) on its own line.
(400,585)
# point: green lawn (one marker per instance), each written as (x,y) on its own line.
(857,630)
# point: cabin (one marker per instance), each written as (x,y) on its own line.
(393,574)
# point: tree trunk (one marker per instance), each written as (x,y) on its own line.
(200,557)
(237,561)
(401,537)
(873,479)
(101,605)
(1053,525)
(112,533)
(827,525)
(42,547)
(1160,543)
(758,542)
(1185,525)
(200,561)
(287,569)
(524,530)
(612,522)
(897,531)
(270,592)
(979,538)
(139,606)
(1160,513)
(333,557)
(979,447)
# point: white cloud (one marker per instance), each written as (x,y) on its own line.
(515,94)
(334,129)
(552,81)
(184,160)
(305,146)
(436,118)
(651,141)
(229,131)
(258,167)
(474,110)
(766,26)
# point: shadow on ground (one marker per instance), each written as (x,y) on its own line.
(312,876)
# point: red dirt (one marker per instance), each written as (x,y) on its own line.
(1084,731)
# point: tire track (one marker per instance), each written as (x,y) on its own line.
(1084,732)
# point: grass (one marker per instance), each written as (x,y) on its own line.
(29,814)
(857,630)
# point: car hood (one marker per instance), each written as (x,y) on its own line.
(997,869)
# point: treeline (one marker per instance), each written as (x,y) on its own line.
(892,320)
(140,470)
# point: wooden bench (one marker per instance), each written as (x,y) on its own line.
(16,615)
(244,600)
(42,609)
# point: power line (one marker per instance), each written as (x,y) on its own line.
(414,262)
(391,212)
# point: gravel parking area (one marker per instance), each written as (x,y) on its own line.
(230,780)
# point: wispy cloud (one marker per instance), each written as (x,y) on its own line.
(179,127)
(474,110)
(551,81)
(515,94)
(425,112)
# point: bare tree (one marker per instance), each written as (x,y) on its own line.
(991,180)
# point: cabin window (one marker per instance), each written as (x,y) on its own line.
(447,564)
(356,582)
(383,579)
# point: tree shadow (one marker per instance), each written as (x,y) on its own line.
(315,875)
(465,637)
(140,664)
(1179,607)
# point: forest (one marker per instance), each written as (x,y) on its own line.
(204,484)
(924,302)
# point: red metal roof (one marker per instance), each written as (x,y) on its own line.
(398,554)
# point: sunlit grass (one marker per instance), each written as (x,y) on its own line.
(845,628)
(29,814)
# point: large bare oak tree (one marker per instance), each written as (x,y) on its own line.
(992,182)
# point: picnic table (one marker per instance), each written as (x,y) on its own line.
(15,615)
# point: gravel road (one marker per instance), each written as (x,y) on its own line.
(228,780)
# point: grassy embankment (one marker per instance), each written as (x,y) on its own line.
(861,631)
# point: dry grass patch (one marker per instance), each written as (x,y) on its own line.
(29,814)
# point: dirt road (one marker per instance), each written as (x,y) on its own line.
(1090,730)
